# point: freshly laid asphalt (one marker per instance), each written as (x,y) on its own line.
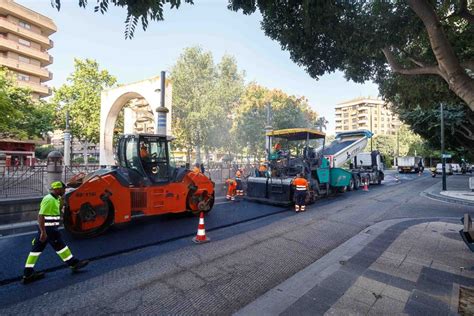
(241,263)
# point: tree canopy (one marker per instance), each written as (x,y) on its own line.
(360,38)
(251,116)
(204,95)
(22,116)
(81,97)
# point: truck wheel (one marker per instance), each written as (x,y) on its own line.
(356,183)
(351,185)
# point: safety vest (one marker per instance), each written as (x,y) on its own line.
(231,183)
(301,184)
(49,208)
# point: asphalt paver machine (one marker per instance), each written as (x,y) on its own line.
(301,152)
(143,183)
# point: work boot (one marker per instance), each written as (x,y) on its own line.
(78,265)
(31,277)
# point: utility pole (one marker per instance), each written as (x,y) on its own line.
(443,159)
(67,142)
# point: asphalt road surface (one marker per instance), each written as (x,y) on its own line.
(147,246)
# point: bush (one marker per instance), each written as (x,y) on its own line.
(43,151)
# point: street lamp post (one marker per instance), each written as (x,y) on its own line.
(443,159)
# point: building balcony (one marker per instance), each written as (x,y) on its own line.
(363,121)
(46,24)
(44,58)
(10,27)
(29,69)
(42,90)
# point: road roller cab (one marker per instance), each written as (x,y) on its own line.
(145,182)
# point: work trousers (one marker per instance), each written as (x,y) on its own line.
(56,241)
(300,197)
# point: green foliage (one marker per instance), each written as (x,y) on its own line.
(142,11)
(81,96)
(417,102)
(250,117)
(43,151)
(204,96)
(22,116)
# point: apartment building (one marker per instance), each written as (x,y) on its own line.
(24,45)
(366,113)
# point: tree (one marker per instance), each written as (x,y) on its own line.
(203,97)
(417,102)
(250,117)
(413,37)
(81,97)
(360,38)
(22,116)
(321,123)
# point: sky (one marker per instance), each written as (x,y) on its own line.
(82,33)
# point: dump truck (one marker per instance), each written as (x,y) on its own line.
(346,151)
(301,152)
(408,164)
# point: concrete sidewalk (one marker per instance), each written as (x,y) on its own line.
(394,267)
(457,191)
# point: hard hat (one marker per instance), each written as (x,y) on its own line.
(57,185)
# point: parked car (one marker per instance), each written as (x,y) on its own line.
(449,169)
(456,167)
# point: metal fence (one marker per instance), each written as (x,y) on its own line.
(18,182)
(73,170)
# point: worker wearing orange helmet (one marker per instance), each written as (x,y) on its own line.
(301,189)
(231,189)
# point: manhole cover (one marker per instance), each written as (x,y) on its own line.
(466,301)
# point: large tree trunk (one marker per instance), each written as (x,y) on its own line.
(449,66)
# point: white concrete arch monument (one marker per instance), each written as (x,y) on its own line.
(113,100)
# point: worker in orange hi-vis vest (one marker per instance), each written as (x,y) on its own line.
(301,189)
(238,180)
(231,187)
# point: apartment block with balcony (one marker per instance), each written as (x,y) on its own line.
(24,45)
(366,113)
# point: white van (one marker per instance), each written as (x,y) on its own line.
(449,169)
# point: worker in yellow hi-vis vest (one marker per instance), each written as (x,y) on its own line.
(48,223)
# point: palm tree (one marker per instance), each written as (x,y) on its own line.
(321,123)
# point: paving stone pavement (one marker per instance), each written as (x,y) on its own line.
(414,269)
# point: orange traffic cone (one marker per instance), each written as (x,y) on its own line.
(201,233)
(366,185)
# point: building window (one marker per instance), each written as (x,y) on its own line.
(346,114)
(24,42)
(23,77)
(25,25)
(23,59)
